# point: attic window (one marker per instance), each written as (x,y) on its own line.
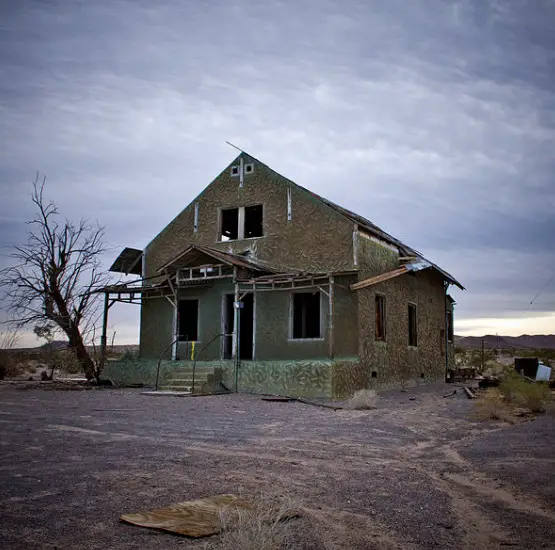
(235,170)
(229,227)
(253,221)
(249,168)
(241,223)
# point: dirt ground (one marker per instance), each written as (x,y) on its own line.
(417,472)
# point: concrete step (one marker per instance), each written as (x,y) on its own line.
(175,387)
(187,371)
(187,379)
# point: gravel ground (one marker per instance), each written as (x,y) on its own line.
(415,473)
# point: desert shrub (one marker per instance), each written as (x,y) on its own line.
(491,405)
(261,527)
(9,364)
(521,392)
(363,400)
(67,362)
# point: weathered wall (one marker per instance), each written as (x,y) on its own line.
(311,378)
(394,361)
(272,324)
(316,239)
(156,328)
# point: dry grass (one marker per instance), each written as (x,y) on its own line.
(363,400)
(263,527)
(522,393)
(491,405)
(9,367)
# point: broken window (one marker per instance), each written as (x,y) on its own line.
(306,315)
(188,320)
(253,221)
(380,317)
(229,226)
(412,326)
(242,223)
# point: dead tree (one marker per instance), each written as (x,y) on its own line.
(55,276)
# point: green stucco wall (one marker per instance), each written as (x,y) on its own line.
(273,340)
(310,378)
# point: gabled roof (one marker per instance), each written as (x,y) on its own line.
(368,226)
(195,253)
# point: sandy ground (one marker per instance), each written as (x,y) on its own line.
(416,473)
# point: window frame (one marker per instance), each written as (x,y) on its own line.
(292,314)
(240,223)
(412,318)
(383,314)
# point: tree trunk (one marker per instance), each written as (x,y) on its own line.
(78,347)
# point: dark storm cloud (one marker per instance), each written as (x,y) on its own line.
(436,119)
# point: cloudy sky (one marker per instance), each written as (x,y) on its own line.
(433,118)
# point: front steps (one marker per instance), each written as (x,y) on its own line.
(179,378)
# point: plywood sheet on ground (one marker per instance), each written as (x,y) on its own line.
(193,518)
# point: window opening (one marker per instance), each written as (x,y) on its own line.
(450,325)
(306,315)
(188,320)
(229,224)
(253,221)
(412,326)
(380,317)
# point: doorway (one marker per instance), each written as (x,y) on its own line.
(246,332)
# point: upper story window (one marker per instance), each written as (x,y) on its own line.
(245,222)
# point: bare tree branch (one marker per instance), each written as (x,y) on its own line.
(55,275)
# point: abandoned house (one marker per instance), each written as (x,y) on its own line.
(265,286)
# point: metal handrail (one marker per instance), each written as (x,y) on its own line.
(199,353)
(160,360)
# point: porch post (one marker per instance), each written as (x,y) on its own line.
(236,330)
(175,336)
(103,337)
(330,320)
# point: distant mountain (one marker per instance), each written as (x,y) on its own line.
(543,341)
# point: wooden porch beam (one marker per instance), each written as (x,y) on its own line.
(379,278)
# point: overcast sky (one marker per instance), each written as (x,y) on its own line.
(433,118)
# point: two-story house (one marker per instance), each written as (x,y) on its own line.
(287,292)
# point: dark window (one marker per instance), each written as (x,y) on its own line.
(412,326)
(229,224)
(253,221)
(249,168)
(188,320)
(450,325)
(306,315)
(235,170)
(380,317)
